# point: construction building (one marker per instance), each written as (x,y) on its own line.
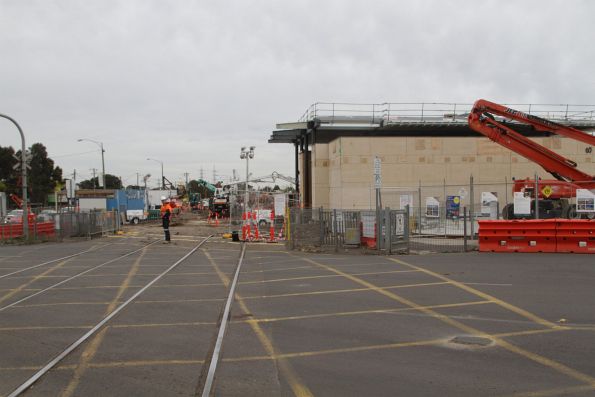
(418,144)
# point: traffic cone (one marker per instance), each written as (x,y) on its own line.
(272,228)
(216,219)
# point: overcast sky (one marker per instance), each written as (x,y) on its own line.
(190,82)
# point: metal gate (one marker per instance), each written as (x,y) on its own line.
(393,229)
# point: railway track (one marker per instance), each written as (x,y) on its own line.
(204,379)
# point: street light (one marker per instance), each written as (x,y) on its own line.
(247,154)
(162,180)
(23,176)
(100,144)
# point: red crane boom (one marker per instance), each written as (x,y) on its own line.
(568,177)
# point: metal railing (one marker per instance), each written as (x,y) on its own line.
(435,113)
(341,229)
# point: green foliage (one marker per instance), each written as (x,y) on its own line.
(42,178)
(111,182)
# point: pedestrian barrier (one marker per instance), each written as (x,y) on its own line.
(537,235)
(10,231)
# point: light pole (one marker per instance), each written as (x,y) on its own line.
(23,176)
(247,154)
(100,144)
(162,181)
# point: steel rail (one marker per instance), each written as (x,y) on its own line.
(206,392)
(29,382)
(52,261)
(73,277)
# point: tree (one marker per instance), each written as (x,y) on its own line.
(111,182)
(42,178)
(8,176)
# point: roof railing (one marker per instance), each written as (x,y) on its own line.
(335,113)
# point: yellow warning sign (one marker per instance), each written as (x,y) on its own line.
(547,191)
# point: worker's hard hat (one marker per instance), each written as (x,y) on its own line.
(163,198)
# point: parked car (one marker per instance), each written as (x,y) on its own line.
(14,216)
(46,216)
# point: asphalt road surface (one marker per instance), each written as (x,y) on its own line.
(301,324)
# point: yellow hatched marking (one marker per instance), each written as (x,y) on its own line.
(561,368)
(341,291)
(297,385)
(563,391)
(354,313)
(323,276)
(93,346)
(482,295)
(439,341)
(22,287)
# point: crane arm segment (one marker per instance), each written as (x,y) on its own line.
(481,120)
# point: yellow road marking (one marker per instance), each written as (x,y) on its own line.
(297,385)
(561,368)
(93,346)
(555,392)
(354,313)
(398,345)
(323,276)
(22,288)
(134,303)
(341,291)
(482,295)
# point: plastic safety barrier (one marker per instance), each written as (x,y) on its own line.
(15,230)
(537,235)
(576,235)
(517,236)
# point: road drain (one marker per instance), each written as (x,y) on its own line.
(471,340)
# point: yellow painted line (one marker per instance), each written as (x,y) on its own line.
(41,328)
(140,363)
(93,345)
(278,269)
(293,380)
(481,294)
(157,325)
(556,366)
(439,341)
(22,287)
(134,303)
(323,276)
(355,313)
(342,291)
(397,345)
(564,391)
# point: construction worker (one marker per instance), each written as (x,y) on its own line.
(166,211)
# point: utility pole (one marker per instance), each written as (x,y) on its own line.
(137,185)
(93,169)
(202,173)
(186,175)
(214,175)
